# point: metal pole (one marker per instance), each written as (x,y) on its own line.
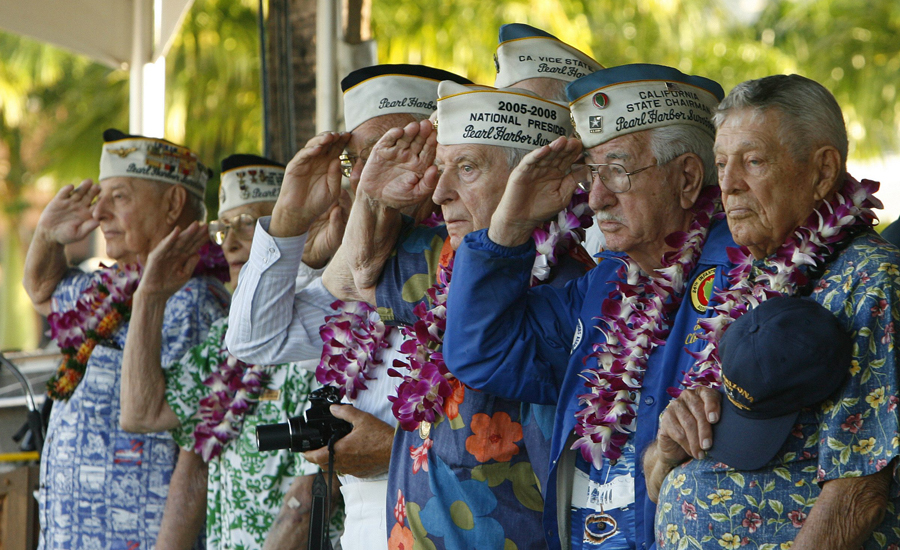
(289,145)
(140,42)
(264,79)
(326,64)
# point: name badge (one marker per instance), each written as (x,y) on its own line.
(270,395)
(615,494)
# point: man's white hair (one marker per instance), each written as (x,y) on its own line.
(810,116)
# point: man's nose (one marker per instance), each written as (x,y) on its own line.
(100,211)
(600,197)
(444,191)
(730,177)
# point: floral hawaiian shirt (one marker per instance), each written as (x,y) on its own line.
(472,479)
(246,488)
(102,487)
(709,505)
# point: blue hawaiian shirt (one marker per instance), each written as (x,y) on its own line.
(102,487)
(709,505)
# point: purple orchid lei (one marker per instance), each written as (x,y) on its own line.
(426,383)
(781,273)
(354,339)
(234,388)
(556,237)
(634,321)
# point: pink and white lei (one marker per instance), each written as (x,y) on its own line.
(781,273)
(233,389)
(426,383)
(635,316)
(102,308)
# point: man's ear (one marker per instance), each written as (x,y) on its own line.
(826,162)
(691,174)
(174,199)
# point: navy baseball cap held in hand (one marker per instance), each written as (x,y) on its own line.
(783,356)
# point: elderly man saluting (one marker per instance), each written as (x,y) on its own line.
(100,486)
(805,227)
(590,348)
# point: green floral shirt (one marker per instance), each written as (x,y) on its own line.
(246,488)
(704,504)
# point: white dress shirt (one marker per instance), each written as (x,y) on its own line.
(276,314)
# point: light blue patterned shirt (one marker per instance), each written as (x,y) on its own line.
(101,487)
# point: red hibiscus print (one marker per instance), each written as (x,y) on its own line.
(494,438)
(401,538)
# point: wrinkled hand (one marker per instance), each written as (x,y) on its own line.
(325,234)
(538,188)
(365,451)
(400,171)
(685,429)
(67,218)
(312,183)
(170,265)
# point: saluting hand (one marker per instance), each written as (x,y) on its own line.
(400,171)
(538,188)
(312,183)
(326,233)
(67,218)
(171,263)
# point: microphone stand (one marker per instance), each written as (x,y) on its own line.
(34,415)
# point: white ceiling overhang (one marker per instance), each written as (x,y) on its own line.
(103,30)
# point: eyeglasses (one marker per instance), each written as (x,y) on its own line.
(242,225)
(347,162)
(613,176)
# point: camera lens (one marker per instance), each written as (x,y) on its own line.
(272,437)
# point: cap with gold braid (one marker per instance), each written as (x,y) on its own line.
(155,159)
(527,52)
(392,89)
(618,101)
(507,117)
(786,354)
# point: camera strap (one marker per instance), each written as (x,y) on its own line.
(320,513)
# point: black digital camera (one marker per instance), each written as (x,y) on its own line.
(299,435)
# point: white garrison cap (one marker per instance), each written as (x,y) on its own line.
(155,159)
(527,52)
(507,117)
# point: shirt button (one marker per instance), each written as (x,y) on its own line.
(271,251)
(649,400)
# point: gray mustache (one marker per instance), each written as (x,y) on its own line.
(608,217)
